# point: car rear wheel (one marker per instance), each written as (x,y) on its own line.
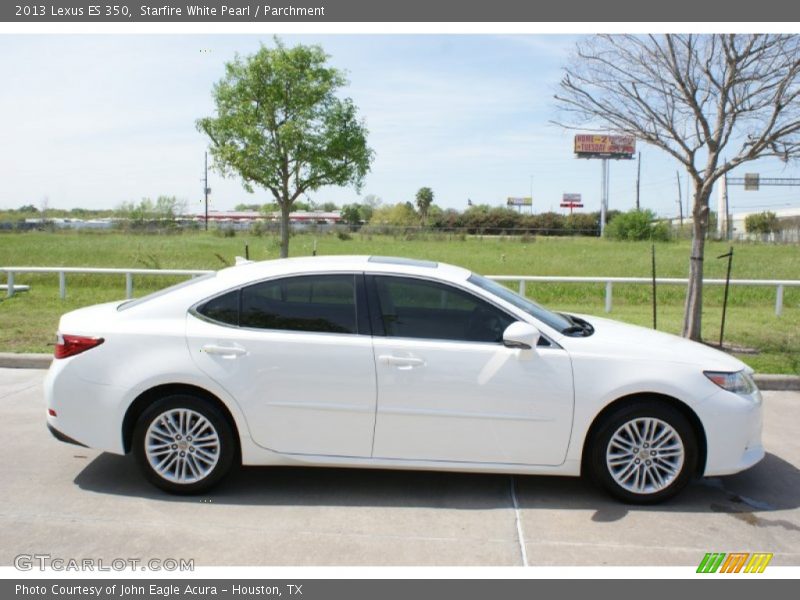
(183,444)
(644,453)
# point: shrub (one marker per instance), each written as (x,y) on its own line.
(637,225)
(763,222)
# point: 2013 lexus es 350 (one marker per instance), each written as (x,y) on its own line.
(393,363)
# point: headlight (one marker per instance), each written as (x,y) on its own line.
(738,382)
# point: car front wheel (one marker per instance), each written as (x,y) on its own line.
(183,444)
(644,453)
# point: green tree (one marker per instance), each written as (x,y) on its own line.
(401,214)
(763,222)
(424,199)
(352,214)
(280,125)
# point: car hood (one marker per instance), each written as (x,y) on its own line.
(612,338)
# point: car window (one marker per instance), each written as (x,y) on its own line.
(417,308)
(322,303)
(224,308)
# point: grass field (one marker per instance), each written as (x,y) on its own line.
(28,321)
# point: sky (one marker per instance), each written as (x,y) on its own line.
(93,121)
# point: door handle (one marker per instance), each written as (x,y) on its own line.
(406,362)
(224,351)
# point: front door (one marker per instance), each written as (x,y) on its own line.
(449,390)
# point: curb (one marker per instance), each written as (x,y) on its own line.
(13,360)
(777,383)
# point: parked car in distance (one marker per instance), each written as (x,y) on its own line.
(398,364)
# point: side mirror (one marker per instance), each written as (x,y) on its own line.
(521,335)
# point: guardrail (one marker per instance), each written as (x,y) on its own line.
(778,284)
(62,275)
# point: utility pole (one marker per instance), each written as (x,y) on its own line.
(205,189)
(603,194)
(531,209)
(638,178)
(680,199)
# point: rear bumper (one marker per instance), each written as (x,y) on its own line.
(86,412)
(63,438)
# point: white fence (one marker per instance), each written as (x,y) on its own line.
(778,284)
(62,275)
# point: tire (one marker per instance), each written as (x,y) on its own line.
(643,453)
(183,444)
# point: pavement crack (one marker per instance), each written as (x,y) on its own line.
(518,522)
(19,391)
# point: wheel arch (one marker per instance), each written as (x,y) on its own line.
(632,399)
(146,398)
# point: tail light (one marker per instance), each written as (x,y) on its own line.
(70,345)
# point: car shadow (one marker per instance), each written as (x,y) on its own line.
(773,484)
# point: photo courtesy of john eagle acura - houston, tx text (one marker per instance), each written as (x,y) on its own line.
(395,364)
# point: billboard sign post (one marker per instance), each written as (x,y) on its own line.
(605,147)
(520,201)
(571,201)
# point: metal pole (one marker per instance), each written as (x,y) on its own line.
(779,301)
(729,256)
(129,285)
(638,178)
(62,284)
(205,188)
(653,271)
(603,192)
(531,211)
(728,227)
(609,291)
(10,282)
(680,199)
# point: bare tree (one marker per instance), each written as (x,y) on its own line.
(698,97)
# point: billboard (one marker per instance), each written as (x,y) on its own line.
(520,201)
(571,198)
(590,145)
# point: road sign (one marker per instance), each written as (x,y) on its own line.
(751,181)
(520,201)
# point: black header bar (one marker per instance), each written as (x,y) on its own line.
(467,11)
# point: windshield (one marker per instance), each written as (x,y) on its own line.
(167,290)
(555,320)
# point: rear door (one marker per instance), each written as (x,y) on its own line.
(296,354)
(449,390)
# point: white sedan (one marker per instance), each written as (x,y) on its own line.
(394,364)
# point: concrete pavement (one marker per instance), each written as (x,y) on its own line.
(72,502)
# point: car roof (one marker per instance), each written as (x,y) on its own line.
(316,264)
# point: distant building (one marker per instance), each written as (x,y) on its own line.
(302,217)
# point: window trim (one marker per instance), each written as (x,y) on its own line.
(359,297)
(372,293)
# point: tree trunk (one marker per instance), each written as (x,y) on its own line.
(693,309)
(285,210)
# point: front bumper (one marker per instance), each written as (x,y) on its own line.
(733,425)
